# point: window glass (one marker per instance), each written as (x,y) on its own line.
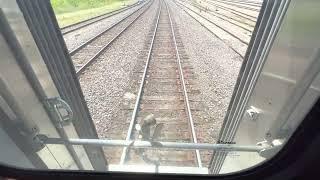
(158,86)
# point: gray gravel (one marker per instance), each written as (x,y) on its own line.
(215,65)
(233,42)
(95,46)
(104,83)
(81,24)
(76,38)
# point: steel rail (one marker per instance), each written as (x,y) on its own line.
(82,68)
(186,98)
(154,145)
(64,30)
(233,49)
(230,11)
(137,103)
(225,19)
(237,15)
(254,4)
(227,16)
(237,5)
(222,28)
(75,50)
(233,11)
(244,1)
(234,18)
(236,51)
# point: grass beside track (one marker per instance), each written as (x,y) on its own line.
(73,11)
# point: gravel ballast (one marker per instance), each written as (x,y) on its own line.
(104,83)
(76,38)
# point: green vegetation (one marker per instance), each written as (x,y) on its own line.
(72,11)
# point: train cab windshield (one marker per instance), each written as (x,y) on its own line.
(206,87)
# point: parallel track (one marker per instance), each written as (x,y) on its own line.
(232,10)
(248,3)
(235,16)
(233,34)
(251,3)
(229,18)
(76,26)
(78,48)
(163,93)
(187,11)
(242,6)
(234,21)
(86,53)
(225,23)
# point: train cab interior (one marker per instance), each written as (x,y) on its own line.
(52,127)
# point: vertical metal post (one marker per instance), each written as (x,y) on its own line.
(270,19)
(41,21)
(25,66)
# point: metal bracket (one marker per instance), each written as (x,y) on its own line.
(61,109)
(282,133)
(30,135)
(43,139)
(144,130)
(270,148)
(145,134)
(38,143)
(253,113)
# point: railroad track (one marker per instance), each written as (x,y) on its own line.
(89,51)
(235,43)
(242,6)
(248,3)
(228,14)
(165,93)
(242,12)
(229,26)
(76,26)
(238,18)
(232,18)
(243,25)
